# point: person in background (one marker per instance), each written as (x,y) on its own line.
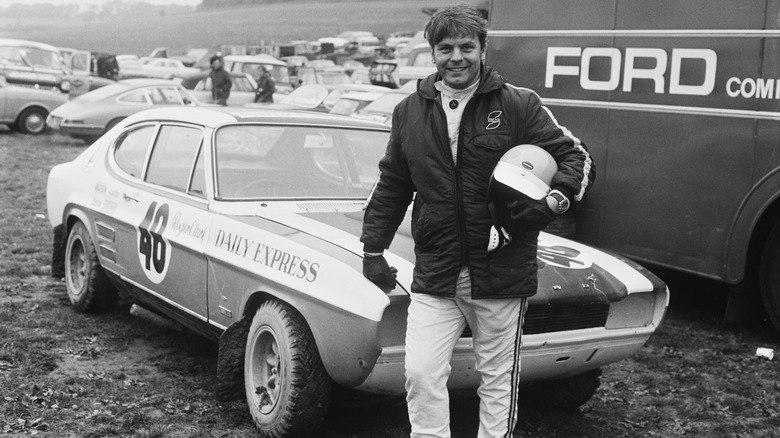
(445,141)
(265,87)
(220,81)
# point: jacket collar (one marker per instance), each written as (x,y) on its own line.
(489,80)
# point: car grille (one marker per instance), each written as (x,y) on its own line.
(561,317)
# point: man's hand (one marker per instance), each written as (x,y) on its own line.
(376,269)
(530,215)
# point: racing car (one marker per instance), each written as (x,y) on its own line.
(243,224)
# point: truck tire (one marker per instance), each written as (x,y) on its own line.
(32,121)
(287,387)
(89,290)
(769,275)
(565,394)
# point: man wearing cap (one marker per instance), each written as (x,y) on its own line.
(220,81)
(445,141)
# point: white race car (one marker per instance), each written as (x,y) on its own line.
(242,224)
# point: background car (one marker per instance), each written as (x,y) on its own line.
(328,78)
(242,91)
(337,90)
(252,64)
(25,109)
(348,103)
(381,109)
(243,225)
(90,115)
(166,68)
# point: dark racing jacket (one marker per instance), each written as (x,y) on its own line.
(450,218)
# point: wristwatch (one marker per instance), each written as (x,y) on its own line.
(563,201)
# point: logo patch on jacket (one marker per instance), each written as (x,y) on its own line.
(494,120)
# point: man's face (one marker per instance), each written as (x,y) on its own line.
(216,64)
(458,60)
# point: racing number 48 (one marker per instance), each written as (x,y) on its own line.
(151,243)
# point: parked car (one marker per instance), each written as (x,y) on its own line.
(381,109)
(243,225)
(348,103)
(91,115)
(130,67)
(252,64)
(242,91)
(305,97)
(25,109)
(167,68)
(328,78)
(89,70)
(33,64)
(337,90)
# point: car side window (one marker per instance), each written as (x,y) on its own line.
(198,184)
(130,152)
(173,157)
(137,96)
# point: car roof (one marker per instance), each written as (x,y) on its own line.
(26,43)
(213,116)
(141,82)
(256,59)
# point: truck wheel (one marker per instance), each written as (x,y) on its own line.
(769,275)
(32,121)
(88,287)
(287,387)
(565,394)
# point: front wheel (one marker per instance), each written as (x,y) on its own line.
(769,275)
(287,387)
(89,290)
(32,121)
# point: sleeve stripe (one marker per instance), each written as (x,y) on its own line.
(585,182)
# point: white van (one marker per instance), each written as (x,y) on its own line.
(33,64)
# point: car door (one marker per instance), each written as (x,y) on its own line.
(162,219)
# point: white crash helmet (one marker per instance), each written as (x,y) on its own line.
(524,171)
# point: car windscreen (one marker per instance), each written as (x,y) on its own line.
(285,161)
(31,57)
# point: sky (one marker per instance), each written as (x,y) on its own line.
(4,3)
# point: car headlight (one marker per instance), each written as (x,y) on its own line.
(635,310)
(65,86)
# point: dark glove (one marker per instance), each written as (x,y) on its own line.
(376,269)
(529,215)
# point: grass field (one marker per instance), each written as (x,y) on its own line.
(65,374)
(277,22)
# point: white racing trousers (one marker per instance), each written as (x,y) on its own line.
(434,325)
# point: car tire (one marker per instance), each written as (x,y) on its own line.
(769,275)
(565,394)
(89,289)
(286,385)
(32,121)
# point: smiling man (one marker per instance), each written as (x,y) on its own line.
(446,140)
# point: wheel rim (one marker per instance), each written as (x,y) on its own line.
(77,267)
(266,373)
(35,123)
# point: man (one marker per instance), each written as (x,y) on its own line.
(445,141)
(220,81)
(266,87)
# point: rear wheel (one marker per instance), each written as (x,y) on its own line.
(89,290)
(32,121)
(769,275)
(287,387)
